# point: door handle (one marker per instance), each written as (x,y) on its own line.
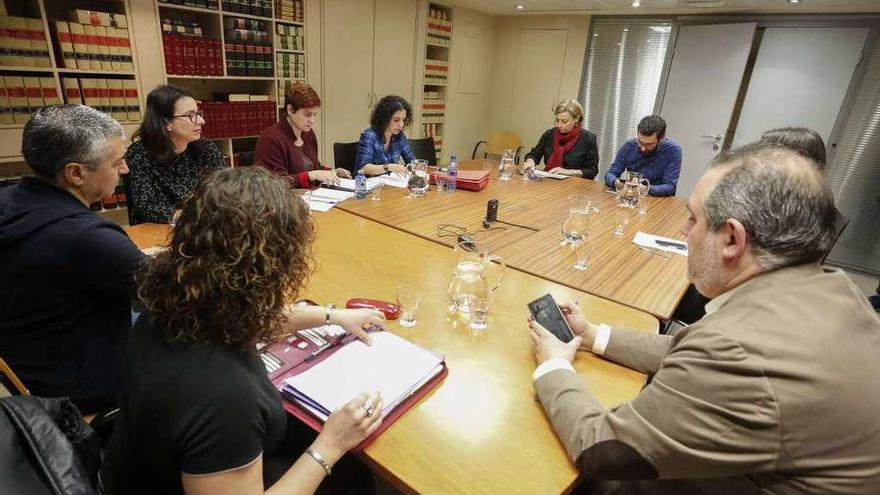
(716,137)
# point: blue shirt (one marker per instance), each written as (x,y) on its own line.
(661,167)
(371,149)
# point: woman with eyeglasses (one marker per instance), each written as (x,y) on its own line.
(167,156)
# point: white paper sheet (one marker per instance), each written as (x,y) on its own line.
(541,173)
(392,366)
(392,180)
(650,241)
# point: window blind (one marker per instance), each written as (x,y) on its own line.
(854,172)
(621,76)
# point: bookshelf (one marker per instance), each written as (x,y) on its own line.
(438,45)
(44,62)
(251,72)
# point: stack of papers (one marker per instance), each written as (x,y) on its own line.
(541,173)
(322,199)
(393,366)
(661,243)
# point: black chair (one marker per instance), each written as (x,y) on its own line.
(244,159)
(344,155)
(423,149)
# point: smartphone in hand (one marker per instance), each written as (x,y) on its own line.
(546,312)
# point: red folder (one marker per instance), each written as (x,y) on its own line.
(471,180)
(294,359)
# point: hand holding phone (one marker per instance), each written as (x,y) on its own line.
(547,313)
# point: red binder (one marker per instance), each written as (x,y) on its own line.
(294,362)
(470,180)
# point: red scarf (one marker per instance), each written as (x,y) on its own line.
(562,143)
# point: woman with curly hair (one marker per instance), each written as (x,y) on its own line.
(383,143)
(198,413)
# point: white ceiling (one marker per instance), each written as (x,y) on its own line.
(618,7)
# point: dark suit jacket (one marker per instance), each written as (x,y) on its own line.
(584,155)
(777,391)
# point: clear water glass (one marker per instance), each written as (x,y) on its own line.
(376,192)
(506,167)
(581,250)
(644,189)
(479,312)
(621,220)
(441,180)
(408,299)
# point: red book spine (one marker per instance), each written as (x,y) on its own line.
(177,49)
(218,58)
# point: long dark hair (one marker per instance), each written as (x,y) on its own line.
(240,250)
(160,109)
(380,119)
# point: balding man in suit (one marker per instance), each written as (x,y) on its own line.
(776,390)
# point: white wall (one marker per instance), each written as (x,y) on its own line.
(517,110)
(470,85)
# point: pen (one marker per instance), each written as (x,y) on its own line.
(316,200)
(653,251)
(674,245)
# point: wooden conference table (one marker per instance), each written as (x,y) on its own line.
(481,431)
(619,270)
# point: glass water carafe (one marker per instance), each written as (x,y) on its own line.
(477,275)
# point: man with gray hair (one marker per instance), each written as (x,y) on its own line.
(776,390)
(66,277)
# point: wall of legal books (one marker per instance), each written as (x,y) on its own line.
(74,51)
(438,42)
(238,57)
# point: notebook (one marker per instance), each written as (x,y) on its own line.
(392,365)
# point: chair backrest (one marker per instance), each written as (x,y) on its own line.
(344,155)
(497,142)
(423,148)
(10,380)
(840,223)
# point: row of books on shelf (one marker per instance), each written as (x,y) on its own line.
(250,7)
(117,97)
(84,46)
(433,107)
(173,25)
(98,18)
(290,10)
(248,47)
(23,42)
(22,96)
(244,115)
(291,65)
(203,4)
(439,28)
(112,201)
(289,37)
(436,71)
(191,55)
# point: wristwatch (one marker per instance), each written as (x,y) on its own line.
(386,168)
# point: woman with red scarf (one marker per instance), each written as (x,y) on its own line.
(568,148)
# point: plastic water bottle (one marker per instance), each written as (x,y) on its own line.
(452,173)
(360,185)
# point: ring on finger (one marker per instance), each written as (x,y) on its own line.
(368,409)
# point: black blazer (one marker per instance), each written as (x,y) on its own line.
(584,155)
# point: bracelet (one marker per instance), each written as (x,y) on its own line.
(319,459)
(327,314)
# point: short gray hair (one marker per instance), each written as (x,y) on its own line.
(781,198)
(61,134)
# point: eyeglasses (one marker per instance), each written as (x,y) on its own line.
(192,116)
(646,146)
